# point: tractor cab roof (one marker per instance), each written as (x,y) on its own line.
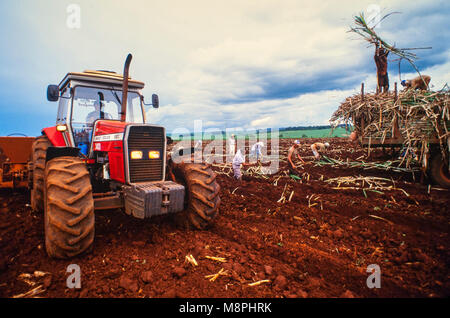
(100,77)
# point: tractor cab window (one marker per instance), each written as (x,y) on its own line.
(63,107)
(90,104)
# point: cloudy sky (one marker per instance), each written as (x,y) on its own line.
(246,63)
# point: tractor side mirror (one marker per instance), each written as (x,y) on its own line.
(52,93)
(155,101)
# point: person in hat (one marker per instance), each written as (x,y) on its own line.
(232,144)
(292,154)
(256,150)
(318,147)
(419,82)
(198,144)
(198,151)
(353,137)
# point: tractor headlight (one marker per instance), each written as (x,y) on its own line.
(136,154)
(153,154)
(61,128)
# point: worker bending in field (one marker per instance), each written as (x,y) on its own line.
(256,150)
(238,160)
(319,147)
(419,82)
(292,154)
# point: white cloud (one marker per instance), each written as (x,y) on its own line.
(262,122)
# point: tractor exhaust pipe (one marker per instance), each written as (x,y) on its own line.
(126,68)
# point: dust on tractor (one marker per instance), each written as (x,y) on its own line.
(102,154)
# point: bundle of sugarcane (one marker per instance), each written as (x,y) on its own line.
(390,165)
(360,181)
(257,171)
(373,184)
(223,168)
(378,111)
(362,28)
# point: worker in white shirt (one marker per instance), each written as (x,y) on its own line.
(256,150)
(319,147)
(198,144)
(198,151)
(238,160)
(232,145)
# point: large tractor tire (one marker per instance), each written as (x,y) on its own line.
(69,208)
(439,170)
(202,199)
(39,152)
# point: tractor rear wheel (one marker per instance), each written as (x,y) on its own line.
(39,152)
(202,199)
(439,170)
(69,208)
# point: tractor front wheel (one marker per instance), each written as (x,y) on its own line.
(39,152)
(202,194)
(69,208)
(439,170)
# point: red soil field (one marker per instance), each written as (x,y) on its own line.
(318,244)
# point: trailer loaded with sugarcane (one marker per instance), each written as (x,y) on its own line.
(417,122)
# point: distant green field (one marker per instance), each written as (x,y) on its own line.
(307,133)
(314,133)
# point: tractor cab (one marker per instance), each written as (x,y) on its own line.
(90,96)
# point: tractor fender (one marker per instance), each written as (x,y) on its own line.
(56,137)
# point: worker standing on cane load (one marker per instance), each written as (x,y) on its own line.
(381,62)
(319,147)
(256,150)
(238,160)
(232,144)
(293,153)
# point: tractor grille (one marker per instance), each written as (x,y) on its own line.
(146,139)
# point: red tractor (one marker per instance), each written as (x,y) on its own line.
(102,154)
